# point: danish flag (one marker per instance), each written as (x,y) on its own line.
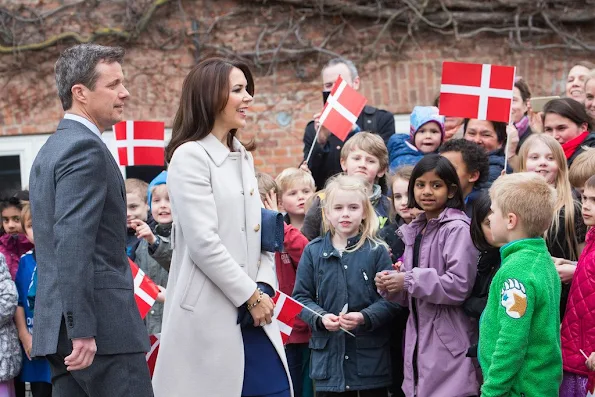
(152,353)
(286,308)
(140,142)
(476,91)
(145,290)
(342,108)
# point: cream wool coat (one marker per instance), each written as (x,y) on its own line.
(215,266)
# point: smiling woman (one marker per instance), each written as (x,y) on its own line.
(217,322)
(567,121)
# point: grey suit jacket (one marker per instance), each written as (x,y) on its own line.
(78,207)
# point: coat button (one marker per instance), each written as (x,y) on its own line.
(257,228)
(347,387)
(325,254)
(346,357)
(345,266)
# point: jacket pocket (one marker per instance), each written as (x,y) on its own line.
(373,356)
(193,289)
(319,357)
(448,335)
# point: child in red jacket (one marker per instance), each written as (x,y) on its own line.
(578,325)
(13,242)
(294,187)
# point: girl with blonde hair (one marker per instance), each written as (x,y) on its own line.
(335,278)
(565,238)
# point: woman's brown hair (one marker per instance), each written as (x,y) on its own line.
(204,95)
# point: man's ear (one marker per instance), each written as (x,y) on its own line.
(381,173)
(79,93)
(474,176)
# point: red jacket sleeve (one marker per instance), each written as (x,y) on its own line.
(294,243)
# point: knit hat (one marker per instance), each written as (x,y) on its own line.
(422,115)
(160,179)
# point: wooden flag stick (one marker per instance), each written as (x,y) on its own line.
(507,146)
(313,143)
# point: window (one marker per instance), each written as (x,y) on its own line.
(10,175)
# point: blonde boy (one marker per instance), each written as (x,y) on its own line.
(519,336)
(582,168)
(296,187)
(365,156)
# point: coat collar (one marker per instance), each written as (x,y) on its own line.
(217,151)
(410,231)
(328,250)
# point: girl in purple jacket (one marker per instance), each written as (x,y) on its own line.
(435,278)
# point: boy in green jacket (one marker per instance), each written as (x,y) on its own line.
(519,334)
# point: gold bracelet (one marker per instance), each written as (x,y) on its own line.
(251,306)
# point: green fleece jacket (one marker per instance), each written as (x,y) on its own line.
(519,332)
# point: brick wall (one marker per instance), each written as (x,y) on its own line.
(283,102)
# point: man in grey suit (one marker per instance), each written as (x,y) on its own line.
(86,320)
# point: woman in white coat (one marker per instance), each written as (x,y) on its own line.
(218,337)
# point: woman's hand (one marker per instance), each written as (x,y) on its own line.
(513,139)
(566,272)
(331,322)
(351,320)
(535,119)
(262,313)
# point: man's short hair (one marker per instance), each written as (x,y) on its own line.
(266,183)
(290,177)
(370,143)
(350,65)
(77,65)
(474,157)
(137,186)
(582,168)
(529,197)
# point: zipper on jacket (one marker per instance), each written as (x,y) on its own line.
(367,283)
(416,249)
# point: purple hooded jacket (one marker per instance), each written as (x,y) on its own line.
(12,247)
(437,288)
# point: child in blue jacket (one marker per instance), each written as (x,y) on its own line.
(335,278)
(426,134)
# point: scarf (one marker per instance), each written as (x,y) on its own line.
(522,126)
(573,144)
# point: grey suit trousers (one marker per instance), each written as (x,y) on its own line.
(110,375)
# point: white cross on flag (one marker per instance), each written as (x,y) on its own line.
(140,142)
(151,355)
(286,308)
(476,91)
(145,290)
(342,108)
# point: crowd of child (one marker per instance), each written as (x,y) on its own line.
(467,279)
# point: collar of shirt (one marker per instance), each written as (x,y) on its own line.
(84,122)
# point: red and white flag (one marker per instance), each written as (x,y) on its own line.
(476,91)
(286,309)
(140,142)
(152,353)
(145,290)
(342,108)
